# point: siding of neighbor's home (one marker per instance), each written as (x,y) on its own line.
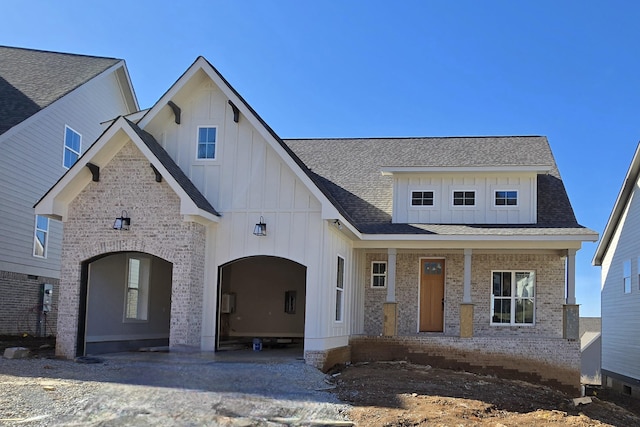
(549,269)
(31,163)
(484,212)
(620,311)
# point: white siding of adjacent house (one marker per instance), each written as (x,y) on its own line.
(620,310)
(249,180)
(484,212)
(31,162)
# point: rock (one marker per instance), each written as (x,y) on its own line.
(582,400)
(16,353)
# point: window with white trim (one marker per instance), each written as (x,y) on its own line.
(464,198)
(137,291)
(422,198)
(626,270)
(378,274)
(340,289)
(513,298)
(72,147)
(41,236)
(207,143)
(506,198)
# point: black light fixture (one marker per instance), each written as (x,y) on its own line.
(338,224)
(123,222)
(261,228)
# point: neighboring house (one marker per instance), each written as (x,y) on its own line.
(51,107)
(618,253)
(591,349)
(448,251)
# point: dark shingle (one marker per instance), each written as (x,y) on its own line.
(30,80)
(349,170)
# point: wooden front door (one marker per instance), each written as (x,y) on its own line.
(431,295)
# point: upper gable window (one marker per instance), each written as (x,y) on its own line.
(72,146)
(464,198)
(207,143)
(422,198)
(506,198)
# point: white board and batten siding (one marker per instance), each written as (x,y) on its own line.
(247,181)
(32,161)
(620,310)
(484,212)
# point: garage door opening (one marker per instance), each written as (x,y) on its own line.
(125,303)
(261,301)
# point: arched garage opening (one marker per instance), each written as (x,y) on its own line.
(263,298)
(125,303)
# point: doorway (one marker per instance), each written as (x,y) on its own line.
(432,273)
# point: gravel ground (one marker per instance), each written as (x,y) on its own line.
(166,389)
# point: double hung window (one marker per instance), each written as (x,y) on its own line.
(513,297)
(72,147)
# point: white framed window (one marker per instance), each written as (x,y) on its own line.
(206,149)
(464,198)
(505,198)
(379,274)
(72,147)
(136,305)
(626,271)
(513,298)
(340,290)
(422,198)
(41,236)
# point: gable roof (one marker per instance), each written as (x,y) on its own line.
(31,80)
(350,171)
(623,199)
(54,203)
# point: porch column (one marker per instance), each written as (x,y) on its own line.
(571,311)
(466,308)
(390,307)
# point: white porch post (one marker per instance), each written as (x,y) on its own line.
(391,274)
(390,307)
(571,276)
(466,307)
(571,311)
(466,293)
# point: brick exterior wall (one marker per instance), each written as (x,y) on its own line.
(549,286)
(128,183)
(549,361)
(325,360)
(21,305)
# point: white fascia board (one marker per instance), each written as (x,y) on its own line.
(586,237)
(390,170)
(468,243)
(128,86)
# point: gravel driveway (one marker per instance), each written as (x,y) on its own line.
(168,389)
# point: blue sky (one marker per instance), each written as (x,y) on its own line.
(564,69)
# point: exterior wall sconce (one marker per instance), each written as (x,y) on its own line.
(261,228)
(338,224)
(123,222)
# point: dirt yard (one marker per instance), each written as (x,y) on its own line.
(402,394)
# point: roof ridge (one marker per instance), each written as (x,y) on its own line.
(60,53)
(360,138)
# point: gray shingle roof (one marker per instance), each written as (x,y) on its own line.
(348,171)
(30,80)
(175,171)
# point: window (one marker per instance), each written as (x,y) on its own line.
(513,298)
(339,289)
(506,198)
(422,198)
(72,146)
(627,276)
(207,143)
(464,198)
(40,237)
(379,274)
(137,292)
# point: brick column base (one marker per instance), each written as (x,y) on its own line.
(571,322)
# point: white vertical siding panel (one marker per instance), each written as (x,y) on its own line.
(256,171)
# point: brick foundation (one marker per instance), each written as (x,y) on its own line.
(21,305)
(325,360)
(548,361)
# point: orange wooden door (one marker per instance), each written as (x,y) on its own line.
(431,295)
